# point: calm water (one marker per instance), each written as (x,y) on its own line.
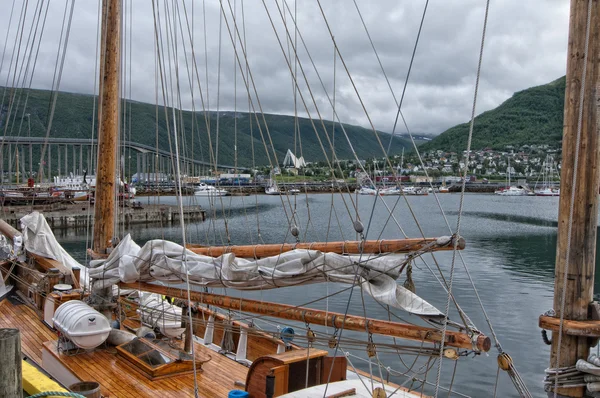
(510,255)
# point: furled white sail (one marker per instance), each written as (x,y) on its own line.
(169,262)
(39,239)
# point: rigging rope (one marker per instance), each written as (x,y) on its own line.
(461,204)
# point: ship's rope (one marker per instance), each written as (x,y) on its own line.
(390,211)
(235,37)
(89,230)
(35,20)
(10,19)
(18,39)
(462,195)
(314,104)
(212,200)
(206,112)
(336,117)
(574,181)
(179,196)
(248,83)
(462,314)
(58,70)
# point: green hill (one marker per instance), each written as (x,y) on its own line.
(73,119)
(532,116)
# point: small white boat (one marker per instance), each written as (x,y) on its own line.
(209,190)
(411,190)
(272,187)
(547,192)
(390,191)
(511,191)
(366,191)
(272,190)
(293,191)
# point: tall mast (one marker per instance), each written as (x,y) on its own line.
(108,125)
(578,207)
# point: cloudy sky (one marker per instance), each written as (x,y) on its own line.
(525,46)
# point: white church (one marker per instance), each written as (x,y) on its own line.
(291,161)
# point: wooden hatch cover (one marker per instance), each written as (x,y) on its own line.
(155,359)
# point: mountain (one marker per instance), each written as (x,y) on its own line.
(532,116)
(73,119)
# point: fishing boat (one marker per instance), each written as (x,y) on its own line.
(144,320)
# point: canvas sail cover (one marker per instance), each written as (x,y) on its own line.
(39,239)
(161,260)
(165,261)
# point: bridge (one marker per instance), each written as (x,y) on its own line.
(148,158)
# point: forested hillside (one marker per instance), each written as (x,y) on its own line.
(73,119)
(532,116)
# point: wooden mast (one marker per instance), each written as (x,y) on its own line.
(325,318)
(108,125)
(579,282)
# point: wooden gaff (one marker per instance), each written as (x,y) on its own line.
(348,247)
(318,317)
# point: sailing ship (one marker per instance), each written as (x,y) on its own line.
(141,321)
(548,188)
(272,187)
(511,190)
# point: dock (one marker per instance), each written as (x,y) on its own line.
(81,214)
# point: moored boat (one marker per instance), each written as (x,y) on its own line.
(209,191)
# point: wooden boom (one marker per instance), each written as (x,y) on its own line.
(346,247)
(319,317)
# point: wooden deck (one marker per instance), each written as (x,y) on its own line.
(116,376)
(34,332)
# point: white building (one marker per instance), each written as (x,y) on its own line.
(292,161)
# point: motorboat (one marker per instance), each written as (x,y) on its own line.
(209,190)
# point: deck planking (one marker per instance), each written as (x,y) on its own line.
(33,331)
(118,378)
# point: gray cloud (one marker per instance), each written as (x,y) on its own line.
(525,46)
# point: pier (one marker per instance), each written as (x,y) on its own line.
(80,215)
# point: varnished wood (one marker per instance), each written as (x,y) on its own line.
(334,369)
(8,230)
(347,247)
(108,125)
(47,264)
(33,332)
(118,378)
(176,367)
(319,317)
(347,393)
(278,365)
(282,376)
(579,280)
(571,328)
